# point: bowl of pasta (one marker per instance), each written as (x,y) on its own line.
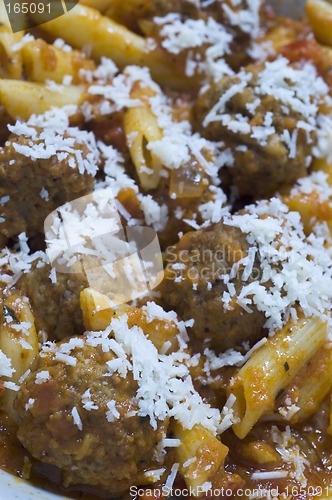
(165,249)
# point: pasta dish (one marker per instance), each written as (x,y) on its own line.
(166,249)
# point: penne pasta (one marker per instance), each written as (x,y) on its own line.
(107,38)
(10,56)
(259,452)
(43,61)
(18,341)
(97,309)
(200,455)
(98,312)
(271,368)
(311,209)
(141,127)
(319,13)
(22,99)
(181,383)
(311,385)
(321,164)
(280,36)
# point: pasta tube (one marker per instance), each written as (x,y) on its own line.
(43,61)
(110,39)
(18,341)
(312,384)
(320,16)
(271,368)
(200,455)
(11,59)
(22,99)
(141,127)
(98,312)
(311,209)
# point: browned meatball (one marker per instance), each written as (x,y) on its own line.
(194,288)
(260,132)
(240,21)
(32,188)
(105,445)
(222,11)
(56,306)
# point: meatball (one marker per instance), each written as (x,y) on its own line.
(269,150)
(83,420)
(32,188)
(240,21)
(56,306)
(222,11)
(194,287)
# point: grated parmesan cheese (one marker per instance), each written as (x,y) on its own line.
(42,377)
(77,418)
(51,135)
(6,369)
(165,387)
(172,476)
(44,194)
(294,269)
(299,90)
(179,35)
(87,402)
(29,404)
(267,475)
(247,19)
(316,182)
(291,454)
(113,413)
(11,386)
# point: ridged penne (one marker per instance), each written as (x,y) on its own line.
(271,368)
(200,456)
(11,58)
(22,99)
(98,312)
(311,209)
(279,36)
(311,385)
(18,341)
(141,127)
(320,16)
(107,38)
(43,61)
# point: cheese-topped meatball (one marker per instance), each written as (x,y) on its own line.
(78,414)
(41,170)
(266,116)
(194,286)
